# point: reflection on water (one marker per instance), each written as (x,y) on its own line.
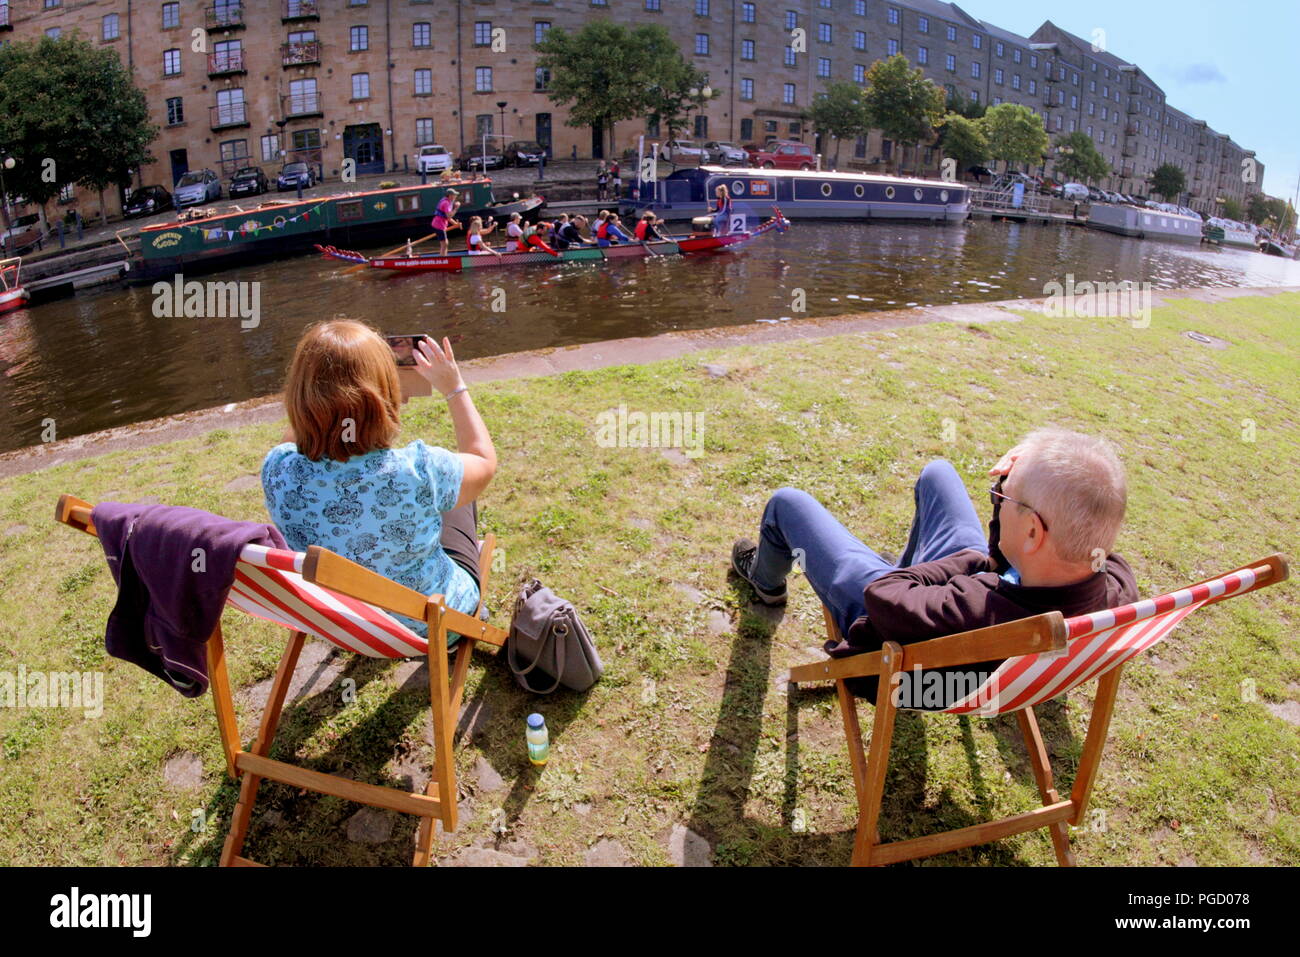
(103,359)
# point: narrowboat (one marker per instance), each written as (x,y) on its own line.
(802,194)
(277,228)
(1229,232)
(1145,223)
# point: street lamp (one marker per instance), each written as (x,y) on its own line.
(8,163)
(501,105)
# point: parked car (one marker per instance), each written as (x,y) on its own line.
(524,153)
(146,201)
(684,151)
(248,181)
(475,157)
(433,158)
(295,174)
(22,232)
(784,154)
(726,154)
(196,187)
(1074,193)
(1049,187)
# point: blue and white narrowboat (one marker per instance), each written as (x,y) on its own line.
(1145,223)
(802,194)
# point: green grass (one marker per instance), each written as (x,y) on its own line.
(687,725)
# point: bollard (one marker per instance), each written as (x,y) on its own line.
(541,166)
(59,224)
(79,232)
(300,188)
(424,177)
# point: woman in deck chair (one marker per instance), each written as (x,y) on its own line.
(338,481)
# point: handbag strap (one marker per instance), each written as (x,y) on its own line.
(558,644)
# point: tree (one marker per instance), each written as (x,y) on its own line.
(1077,159)
(70,114)
(1231,209)
(1259,208)
(964,106)
(901,102)
(840,111)
(963,140)
(1168,180)
(605,73)
(1015,134)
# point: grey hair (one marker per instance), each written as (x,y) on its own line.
(1076,483)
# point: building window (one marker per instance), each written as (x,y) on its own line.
(922,55)
(746,129)
(359,39)
(826,4)
(923,24)
(540,29)
(360,86)
(747,49)
(1074,102)
(789,56)
(482,79)
(893,15)
(997,77)
(952,34)
(171,15)
(701,8)
(976,41)
(746,88)
(482,33)
(892,46)
(1015,55)
(860,148)
(423,82)
(541,79)
(1015,81)
(1033,61)
(860,7)
(950,62)
(1074,79)
(701,126)
(53,32)
(652,5)
(787,95)
(424,131)
(975,70)
(175,111)
(791,19)
(171,62)
(859,73)
(1033,86)
(701,44)
(270,146)
(974,96)
(997,100)
(999,49)
(421,35)
(109,27)
(824,33)
(823,66)
(1060,74)
(747,11)
(1060,98)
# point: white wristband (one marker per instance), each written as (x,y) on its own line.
(449,395)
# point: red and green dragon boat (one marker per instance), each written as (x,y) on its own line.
(699,241)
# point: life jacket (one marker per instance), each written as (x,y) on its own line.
(602,231)
(643,230)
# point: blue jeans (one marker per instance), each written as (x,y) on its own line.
(837,564)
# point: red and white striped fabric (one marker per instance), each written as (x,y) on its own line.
(269,584)
(1096,643)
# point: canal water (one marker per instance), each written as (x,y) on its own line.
(103,359)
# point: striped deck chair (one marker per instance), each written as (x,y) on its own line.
(1047,655)
(323,594)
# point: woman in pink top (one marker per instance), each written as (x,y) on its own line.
(444,218)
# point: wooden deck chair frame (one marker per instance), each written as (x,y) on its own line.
(1037,635)
(446,686)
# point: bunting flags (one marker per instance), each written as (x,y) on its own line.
(251,227)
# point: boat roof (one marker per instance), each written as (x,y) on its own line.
(309,201)
(821,175)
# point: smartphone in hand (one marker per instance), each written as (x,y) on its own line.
(412,382)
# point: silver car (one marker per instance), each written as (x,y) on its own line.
(195,187)
(726,154)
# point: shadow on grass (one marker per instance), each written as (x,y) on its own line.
(908,807)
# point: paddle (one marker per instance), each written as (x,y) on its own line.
(397,249)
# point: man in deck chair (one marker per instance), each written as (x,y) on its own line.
(1058,502)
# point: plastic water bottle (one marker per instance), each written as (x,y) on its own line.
(539,741)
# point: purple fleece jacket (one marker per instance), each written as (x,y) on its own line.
(170,595)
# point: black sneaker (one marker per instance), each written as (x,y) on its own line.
(742,559)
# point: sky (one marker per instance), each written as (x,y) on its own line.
(1235,65)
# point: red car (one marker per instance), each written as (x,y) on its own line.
(782,154)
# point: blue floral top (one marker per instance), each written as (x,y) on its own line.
(382,510)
